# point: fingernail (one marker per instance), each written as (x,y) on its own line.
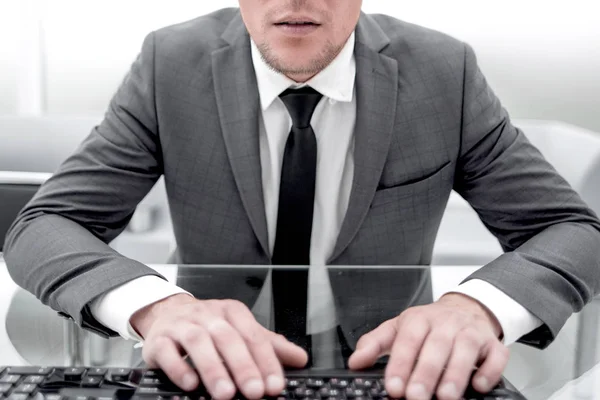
(395,384)
(417,391)
(483,383)
(254,388)
(224,389)
(189,382)
(274,383)
(449,390)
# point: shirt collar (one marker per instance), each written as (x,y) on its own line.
(335,82)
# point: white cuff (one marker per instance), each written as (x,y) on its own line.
(515,320)
(114,308)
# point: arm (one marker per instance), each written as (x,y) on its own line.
(58,246)
(551,238)
(116,308)
(514,319)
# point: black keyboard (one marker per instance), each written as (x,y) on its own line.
(43,383)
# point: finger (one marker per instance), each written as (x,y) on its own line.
(260,346)
(412,332)
(496,357)
(432,359)
(468,345)
(161,352)
(373,345)
(235,353)
(288,353)
(198,344)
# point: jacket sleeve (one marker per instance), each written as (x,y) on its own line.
(58,246)
(551,238)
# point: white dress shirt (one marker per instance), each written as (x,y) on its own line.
(333,122)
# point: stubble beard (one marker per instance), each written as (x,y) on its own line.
(309,68)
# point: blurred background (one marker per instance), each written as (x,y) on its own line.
(68,56)
(62,60)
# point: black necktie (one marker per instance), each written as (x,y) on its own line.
(295,216)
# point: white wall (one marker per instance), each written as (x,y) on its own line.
(541,57)
(8,56)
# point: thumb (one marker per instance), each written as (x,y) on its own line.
(373,345)
(288,353)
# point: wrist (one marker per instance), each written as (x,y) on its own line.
(480,309)
(143,319)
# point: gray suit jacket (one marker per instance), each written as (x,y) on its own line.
(427,123)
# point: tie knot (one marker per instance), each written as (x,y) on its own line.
(301,104)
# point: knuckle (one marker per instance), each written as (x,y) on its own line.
(198,307)
(503,351)
(279,336)
(412,338)
(161,341)
(471,337)
(235,305)
(411,313)
(218,327)
(255,338)
(442,337)
(503,355)
(193,336)
(152,344)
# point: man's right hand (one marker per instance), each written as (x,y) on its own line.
(228,347)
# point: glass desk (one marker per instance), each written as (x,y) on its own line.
(33,334)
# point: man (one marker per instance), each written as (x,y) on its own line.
(297,132)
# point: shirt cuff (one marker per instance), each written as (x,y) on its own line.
(115,308)
(515,320)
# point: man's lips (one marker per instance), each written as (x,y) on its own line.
(296,23)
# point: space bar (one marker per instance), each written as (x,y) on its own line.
(97,393)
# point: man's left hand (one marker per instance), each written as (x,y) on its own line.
(434,349)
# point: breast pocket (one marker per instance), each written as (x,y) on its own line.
(420,195)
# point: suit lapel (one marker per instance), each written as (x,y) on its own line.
(237,96)
(376,91)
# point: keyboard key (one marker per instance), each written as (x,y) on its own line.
(120,374)
(35,379)
(17,396)
(368,384)
(293,384)
(339,383)
(10,378)
(30,371)
(26,388)
(97,372)
(150,382)
(53,397)
(154,391)
(5,388)
(74,374)
(156,374)
(314,383)
(91,381)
